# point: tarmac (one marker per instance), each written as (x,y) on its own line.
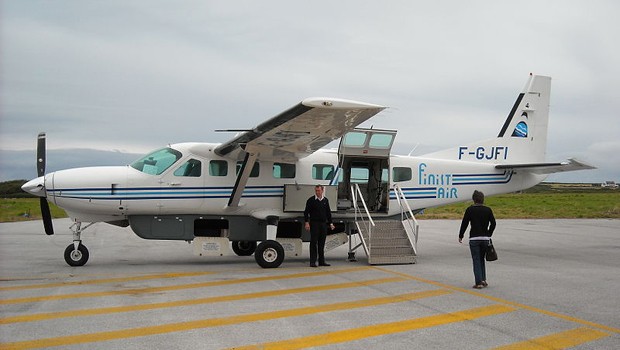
(556,285)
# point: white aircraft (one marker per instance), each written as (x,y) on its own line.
(253,188)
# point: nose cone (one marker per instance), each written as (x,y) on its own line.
(35,187)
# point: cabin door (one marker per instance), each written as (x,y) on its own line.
(182,187)
(363,159)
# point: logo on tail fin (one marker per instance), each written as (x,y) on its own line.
(520,130)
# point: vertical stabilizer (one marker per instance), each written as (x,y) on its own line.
(522,138)
(526,125)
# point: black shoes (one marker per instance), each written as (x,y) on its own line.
(312,265)
(324,264)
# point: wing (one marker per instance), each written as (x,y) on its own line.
(301,130)
(548,168)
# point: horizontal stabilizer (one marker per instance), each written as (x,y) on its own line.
(547,168)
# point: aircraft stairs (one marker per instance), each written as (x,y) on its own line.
(390,241)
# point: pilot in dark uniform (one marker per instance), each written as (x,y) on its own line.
(317,216)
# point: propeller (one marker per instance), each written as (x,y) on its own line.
(47,216)
(45,208)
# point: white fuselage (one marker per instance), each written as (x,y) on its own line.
(116,193)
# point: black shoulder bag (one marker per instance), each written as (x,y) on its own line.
(491,254)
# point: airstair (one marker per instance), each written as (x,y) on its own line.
(387,241)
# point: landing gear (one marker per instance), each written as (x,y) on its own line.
(244,248)
(269,254)
(76,253)
(76,256)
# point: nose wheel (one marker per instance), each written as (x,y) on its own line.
(76,253)
(76,256)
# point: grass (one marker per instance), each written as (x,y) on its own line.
(544,205)
(24,209)
(544,201)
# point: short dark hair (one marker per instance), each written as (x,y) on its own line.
(478,197)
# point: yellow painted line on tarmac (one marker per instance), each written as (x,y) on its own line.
(189,302)
(504,301)
(557,341)
(107,280)
(179,287)
(348,335)
(217,322)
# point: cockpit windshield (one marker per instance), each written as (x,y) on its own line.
(157,162)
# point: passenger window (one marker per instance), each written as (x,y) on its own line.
(255,169)
(218,168)
(359,175)
(191,168)
(401,174)
(322,172)
(283,171)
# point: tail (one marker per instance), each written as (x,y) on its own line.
(526,126)
(523,137)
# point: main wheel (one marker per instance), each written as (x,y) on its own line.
(269,254)
(77,257)
(243,248)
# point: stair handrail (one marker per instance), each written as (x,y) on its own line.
(410,219)
(356,194)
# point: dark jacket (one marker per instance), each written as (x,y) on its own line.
(318,210)
(481,219)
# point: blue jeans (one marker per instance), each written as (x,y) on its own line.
(478,250)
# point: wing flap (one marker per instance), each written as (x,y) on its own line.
(548,168)
(300,130)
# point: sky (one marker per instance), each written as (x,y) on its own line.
(125,77)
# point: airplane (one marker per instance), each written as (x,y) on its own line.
(250,191)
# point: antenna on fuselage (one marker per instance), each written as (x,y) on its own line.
(414,148)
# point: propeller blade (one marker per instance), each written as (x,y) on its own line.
(41,154)
(46,214)
(47,217)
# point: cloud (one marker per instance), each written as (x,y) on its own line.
(138,75)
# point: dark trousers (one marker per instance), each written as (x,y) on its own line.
(478,250)
(318,232)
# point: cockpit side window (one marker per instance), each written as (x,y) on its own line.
(157,162)
(191,168)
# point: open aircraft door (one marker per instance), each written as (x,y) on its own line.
(363,159)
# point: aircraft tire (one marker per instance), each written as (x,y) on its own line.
(244,248)
(269,254)
(77,257)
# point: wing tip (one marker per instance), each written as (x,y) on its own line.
(338,103)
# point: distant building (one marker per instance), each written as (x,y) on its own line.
(609,184)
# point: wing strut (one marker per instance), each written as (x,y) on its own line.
(242,178)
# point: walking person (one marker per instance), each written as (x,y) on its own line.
(317,216)
(482,226)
